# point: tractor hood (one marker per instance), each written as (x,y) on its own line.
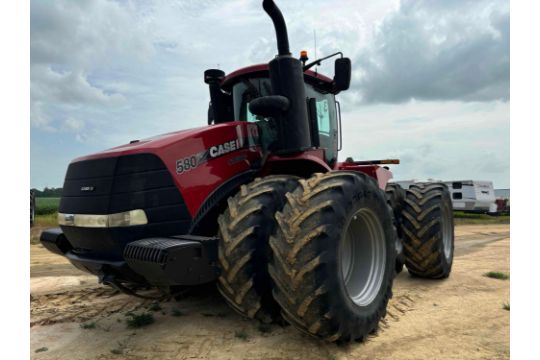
(197,162)
(154,143)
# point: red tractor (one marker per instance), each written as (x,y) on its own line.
(257,201)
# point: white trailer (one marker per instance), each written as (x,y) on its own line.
(467,195)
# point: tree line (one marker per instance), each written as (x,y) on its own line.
(48,192)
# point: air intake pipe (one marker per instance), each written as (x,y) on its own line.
(287,79)
(214,77)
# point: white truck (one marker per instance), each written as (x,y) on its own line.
(467,195)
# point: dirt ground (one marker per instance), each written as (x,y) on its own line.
(458,318)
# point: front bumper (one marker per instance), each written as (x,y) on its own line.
(157,261)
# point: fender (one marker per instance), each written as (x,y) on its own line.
(381,174)
(303,164)
(205,222)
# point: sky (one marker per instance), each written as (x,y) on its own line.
(430,82)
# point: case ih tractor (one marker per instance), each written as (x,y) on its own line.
(257,201)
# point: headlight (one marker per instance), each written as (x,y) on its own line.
(126,218)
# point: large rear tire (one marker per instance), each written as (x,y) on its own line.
(428,230)
(333,256)
(243,251)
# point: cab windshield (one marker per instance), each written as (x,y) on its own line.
(248,89)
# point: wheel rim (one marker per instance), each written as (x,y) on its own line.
(446,232)
(363,257)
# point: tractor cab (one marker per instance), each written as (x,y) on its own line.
(238,89)
(231,96)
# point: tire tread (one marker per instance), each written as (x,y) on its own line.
(243,251)
(422,234)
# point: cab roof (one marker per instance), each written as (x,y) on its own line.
(319,81)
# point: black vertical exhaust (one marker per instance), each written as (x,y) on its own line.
(287,78)
(279,24)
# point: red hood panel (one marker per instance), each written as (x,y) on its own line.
(151,144)
(200,159)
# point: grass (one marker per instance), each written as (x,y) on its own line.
(463,218)
(506,306)
(46,206)
(139,320)
(41,349)
(46,220)
(90,325)
(41,222)
(241,334)
(497,275)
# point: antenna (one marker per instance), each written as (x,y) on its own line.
(315,45)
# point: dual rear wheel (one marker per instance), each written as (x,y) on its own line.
(321,253)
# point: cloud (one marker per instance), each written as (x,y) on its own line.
(76,34)
(445,140)
(71,41)
(70,88)
(438,50)
(73,124)
(493,163)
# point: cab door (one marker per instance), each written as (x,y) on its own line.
(327,122)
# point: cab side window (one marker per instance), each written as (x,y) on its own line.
(243,93)
(323,117)
(326,121)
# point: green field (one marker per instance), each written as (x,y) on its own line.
(463,218)
(46,206)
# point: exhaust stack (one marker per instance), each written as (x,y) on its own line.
(287,79)
(279,24)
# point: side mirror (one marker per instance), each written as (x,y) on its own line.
(342,77)
(269,106)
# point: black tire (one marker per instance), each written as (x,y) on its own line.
(395,195)
(243,251)
(32,208)
(428,230)
(307,262)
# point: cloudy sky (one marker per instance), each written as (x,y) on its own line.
(430,78)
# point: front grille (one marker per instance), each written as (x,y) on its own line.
(117,184)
